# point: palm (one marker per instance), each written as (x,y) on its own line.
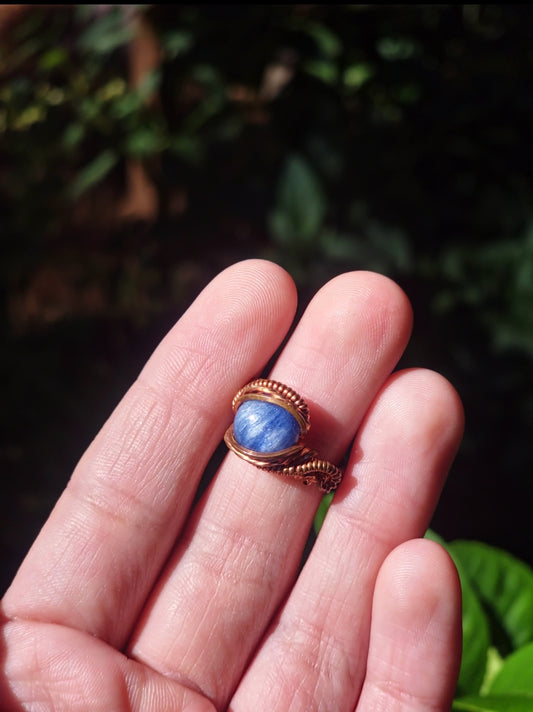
(131,599)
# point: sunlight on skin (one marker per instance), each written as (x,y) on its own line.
(130,599)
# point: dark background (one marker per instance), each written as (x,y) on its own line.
(143,150)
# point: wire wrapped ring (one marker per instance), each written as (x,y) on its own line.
(271,421)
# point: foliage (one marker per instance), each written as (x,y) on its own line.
(502,589)
(390,138)
(497,628)
(325,137)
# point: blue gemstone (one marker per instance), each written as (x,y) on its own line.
(265,427)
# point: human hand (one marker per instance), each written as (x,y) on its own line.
(133,599)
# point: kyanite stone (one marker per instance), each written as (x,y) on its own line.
(265,427)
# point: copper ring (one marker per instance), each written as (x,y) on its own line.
(296,460)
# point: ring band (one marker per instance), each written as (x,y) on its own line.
(270,424)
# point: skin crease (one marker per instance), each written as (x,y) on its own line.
(132,598)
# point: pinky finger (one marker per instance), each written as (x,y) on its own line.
(415,641)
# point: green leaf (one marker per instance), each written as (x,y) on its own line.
(516,674)
(150,83)
(144,141)
(322,511)
(301,203)
(53,58)
(476,639)
(341,247)
(494,703)
(281,227)
(94,172)
(176,42)
(505,587)
(130,103)
(325,70)
(494,665)
(188,148)
(107,32)
(433,536)
(74,133)
(328,43)
(396,48)
(357,74)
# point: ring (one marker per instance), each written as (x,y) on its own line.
(271,421)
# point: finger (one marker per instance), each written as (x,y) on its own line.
(415,639)
(314,656)
(50,667)
(96,559)
(243,546)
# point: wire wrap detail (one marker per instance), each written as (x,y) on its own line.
(298,461)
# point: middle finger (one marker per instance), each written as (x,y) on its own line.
(244,542)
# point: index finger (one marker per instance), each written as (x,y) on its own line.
(96,558)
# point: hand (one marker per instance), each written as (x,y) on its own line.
(133,599)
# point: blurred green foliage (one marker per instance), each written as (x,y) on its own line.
(497,588)
(497,656)
(326,138)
